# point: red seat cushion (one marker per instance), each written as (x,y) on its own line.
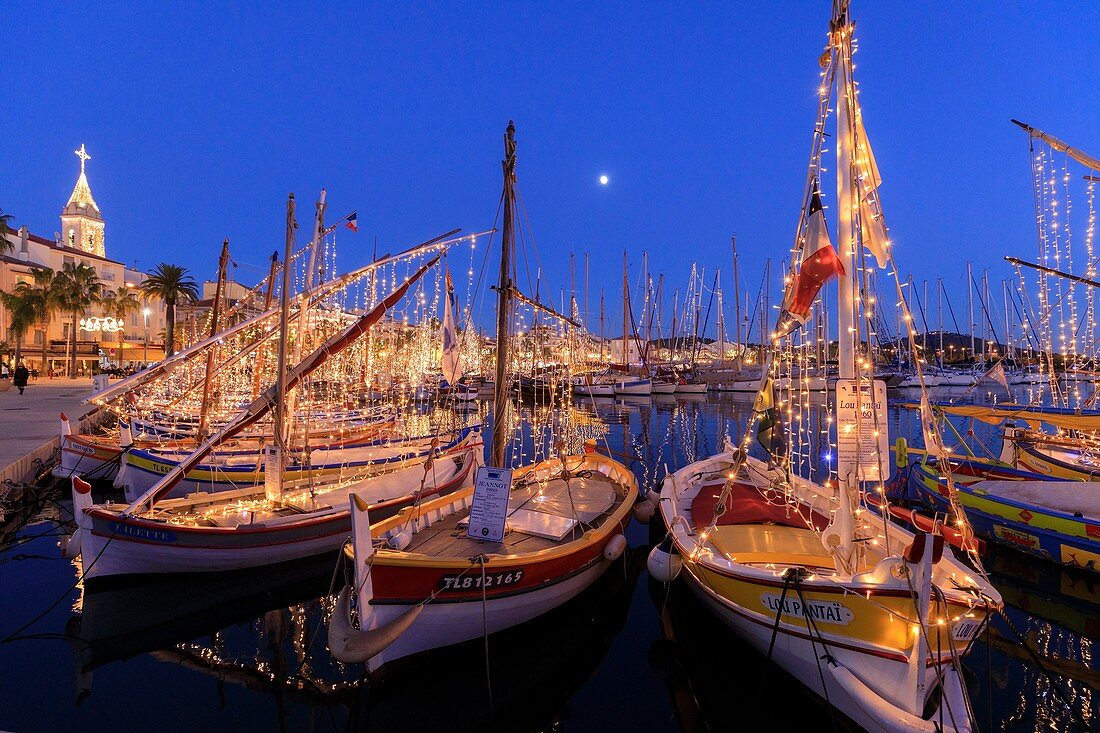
(747,505)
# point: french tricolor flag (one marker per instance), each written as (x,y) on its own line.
(351,221)
(820,264)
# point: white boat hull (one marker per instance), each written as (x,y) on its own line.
(796,656)
(443,624)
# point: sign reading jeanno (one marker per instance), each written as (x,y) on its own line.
(829,612)
(863,440)
(489,510)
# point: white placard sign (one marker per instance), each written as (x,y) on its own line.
(490,507)
(860,414)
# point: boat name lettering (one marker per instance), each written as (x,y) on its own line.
(832,612)
(470,581)
(967,630)
(142,533)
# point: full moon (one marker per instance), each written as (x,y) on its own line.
(603,180)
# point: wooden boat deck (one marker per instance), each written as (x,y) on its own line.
(447,537)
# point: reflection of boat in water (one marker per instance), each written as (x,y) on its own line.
(534,669)
(708,693)
(123,621)
(1063,596)
(259,630)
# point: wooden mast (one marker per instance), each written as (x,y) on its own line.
(274,465)
(215,317)
(504,299)
(268,297)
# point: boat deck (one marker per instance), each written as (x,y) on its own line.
(590,500)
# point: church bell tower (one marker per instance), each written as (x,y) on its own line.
(81,221)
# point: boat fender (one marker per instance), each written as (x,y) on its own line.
(663,563)
(350,645)
(400,540)
(66,428)
(614,548)
(643,510)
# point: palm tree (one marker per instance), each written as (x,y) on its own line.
(170,283)
(5,227)
(44,298)
(21,310)
(118,304)
(80,289)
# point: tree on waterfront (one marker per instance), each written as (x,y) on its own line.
(5,227)
(79,290)
(22,317)
(119,304)
(43,297)
(170,283)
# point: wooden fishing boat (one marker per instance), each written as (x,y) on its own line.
(867,614)
(763,568)
(1056,519)
(566,522)
(433,580)
(237,469)
(243,529)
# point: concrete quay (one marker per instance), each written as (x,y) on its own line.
(29,424)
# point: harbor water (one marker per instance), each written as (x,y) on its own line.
(246,651)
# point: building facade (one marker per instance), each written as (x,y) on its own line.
(98,336)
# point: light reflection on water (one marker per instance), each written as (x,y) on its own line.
(247,650)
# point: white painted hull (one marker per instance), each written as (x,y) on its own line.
(663,388)
(692,388)
(443,624)
(128,558)
(797,656)
(634,387)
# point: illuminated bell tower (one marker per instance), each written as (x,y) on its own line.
(81,222)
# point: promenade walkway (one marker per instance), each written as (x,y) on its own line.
(29,420)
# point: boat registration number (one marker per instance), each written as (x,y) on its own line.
(474,581)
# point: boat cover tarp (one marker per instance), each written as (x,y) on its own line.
(1071,497)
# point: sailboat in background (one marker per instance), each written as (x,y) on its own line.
(871,616)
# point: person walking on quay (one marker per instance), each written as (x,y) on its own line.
(19,379)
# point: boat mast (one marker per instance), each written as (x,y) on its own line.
(846,290)
(257,369)
(970,307)
(215,317)
(504,299)
(736,300)
(626,315)
(273,469)
(721,322)
(939,316)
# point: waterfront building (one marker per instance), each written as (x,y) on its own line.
(81,240)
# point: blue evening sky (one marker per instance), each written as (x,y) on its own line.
(200,117)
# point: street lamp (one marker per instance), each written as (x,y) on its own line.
(145,312)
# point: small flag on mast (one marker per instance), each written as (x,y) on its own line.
(769,431)
(351,221)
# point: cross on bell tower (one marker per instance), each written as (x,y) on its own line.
(81,221)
